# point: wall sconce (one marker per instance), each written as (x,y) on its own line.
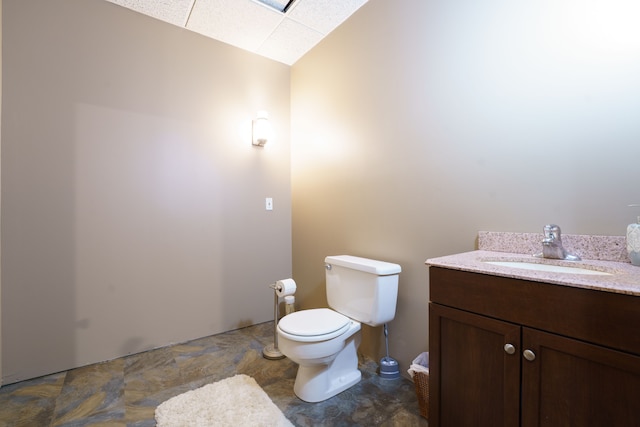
(261,131)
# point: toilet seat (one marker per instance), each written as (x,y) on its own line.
(317,324)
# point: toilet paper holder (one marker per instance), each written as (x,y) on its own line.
(280,288)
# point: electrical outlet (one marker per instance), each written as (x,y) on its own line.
(268,204)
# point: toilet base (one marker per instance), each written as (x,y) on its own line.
(318,382)
(308,391)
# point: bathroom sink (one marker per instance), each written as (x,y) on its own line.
(547,267)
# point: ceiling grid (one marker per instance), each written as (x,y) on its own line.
(254,25)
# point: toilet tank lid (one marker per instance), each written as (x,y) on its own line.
(367,265)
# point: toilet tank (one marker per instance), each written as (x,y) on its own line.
(363,289)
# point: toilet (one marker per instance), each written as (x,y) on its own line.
(324,341)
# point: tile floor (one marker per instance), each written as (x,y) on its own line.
(126,391)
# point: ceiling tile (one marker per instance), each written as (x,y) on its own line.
(289,42)
(173,11)
(242,23)
(323,15)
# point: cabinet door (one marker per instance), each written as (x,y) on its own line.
(573,383)
(473,380)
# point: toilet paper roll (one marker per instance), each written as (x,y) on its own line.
(285,287)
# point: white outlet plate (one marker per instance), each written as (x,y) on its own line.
(268,204)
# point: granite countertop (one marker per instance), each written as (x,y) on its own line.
(624,277)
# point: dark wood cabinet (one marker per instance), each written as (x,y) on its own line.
(508,352)
(471,377)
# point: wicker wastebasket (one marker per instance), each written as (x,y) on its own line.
(421,382)
(419,371)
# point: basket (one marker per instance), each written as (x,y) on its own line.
(421,382)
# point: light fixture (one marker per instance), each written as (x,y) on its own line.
(282,6)
(261,131)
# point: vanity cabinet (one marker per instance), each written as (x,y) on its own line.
(510,352)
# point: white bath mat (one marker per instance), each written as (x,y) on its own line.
(235,401)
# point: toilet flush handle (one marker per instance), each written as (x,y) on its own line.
(327,266)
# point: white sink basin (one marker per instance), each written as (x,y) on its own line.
(547,267)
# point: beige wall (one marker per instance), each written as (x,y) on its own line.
(132,200)
(419,122)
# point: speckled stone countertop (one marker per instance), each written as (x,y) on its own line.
(599,253)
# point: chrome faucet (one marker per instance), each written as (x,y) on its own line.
(552,245)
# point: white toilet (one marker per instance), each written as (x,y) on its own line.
(324,341)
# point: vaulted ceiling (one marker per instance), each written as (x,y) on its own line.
(282,30)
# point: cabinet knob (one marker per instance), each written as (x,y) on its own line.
(509,348)
(529,355)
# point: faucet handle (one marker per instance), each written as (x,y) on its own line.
(552,231)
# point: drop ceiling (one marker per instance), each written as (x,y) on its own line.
(259,26)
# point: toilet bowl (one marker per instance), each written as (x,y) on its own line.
(324,344)
(324,341)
